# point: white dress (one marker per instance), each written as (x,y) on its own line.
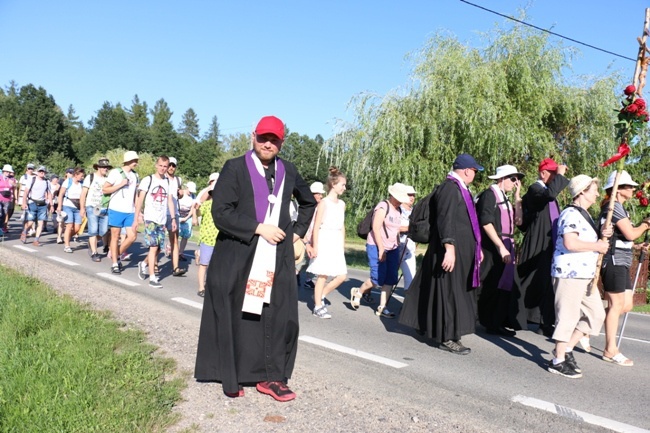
(331,254)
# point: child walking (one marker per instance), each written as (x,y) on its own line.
(328,240)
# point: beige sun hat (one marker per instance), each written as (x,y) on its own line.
(399,192)
(580,183)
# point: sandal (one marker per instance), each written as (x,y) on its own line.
(619,359)
(355,298)
(201,293)
(179,272)
(584,343)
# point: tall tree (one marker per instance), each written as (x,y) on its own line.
(505,104)
(164,139)
(109,129)
(189,127)
(75,126)
(139,113)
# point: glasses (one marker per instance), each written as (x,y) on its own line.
(172,165)
(28,168)
(514,179)
(411,195)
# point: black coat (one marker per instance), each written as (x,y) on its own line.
(236,347)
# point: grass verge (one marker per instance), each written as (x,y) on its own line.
(65,368)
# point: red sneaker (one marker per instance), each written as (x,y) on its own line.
(239,393)
(278,390)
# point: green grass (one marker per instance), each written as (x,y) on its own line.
(642,308)
(65,368)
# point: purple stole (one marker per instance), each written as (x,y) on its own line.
(473,218)
(261,188)
(507,233)
(554,214)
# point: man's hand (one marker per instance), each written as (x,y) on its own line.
(562,169)
(505,255)
(270,233)
(449,260)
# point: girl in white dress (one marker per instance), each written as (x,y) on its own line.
(328,240)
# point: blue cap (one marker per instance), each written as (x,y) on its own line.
(465,160)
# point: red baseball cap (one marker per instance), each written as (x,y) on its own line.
(270,125)
(548,164)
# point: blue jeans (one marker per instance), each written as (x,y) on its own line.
(97,224)
(383,273)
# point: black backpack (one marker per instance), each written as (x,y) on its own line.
(419,228)
(365,226)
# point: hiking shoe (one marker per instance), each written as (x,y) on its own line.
(278,390)
(384,312)
(179,272)
(355,298)
(367,298)
(96,257)
(142,270)
(563,369)
(325,301)
(23,237)
(322,313)
(454,347)
(570,360)
(67,250)
(115,269)
(153,282)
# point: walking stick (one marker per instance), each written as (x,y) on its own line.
(636,280)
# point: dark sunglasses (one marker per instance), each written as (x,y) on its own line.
(514,179)
(172,165)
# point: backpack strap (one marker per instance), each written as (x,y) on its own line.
(29,191)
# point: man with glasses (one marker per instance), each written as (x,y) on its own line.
(540,212)
(92,209)
(36,198)
(440,302)
(498,217)
(176,192)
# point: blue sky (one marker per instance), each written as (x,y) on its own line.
(302,61)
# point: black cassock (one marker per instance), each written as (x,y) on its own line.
(442,304)
(236,347)
(533,277)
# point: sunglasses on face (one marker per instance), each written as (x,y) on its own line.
(514,179)
(172,165)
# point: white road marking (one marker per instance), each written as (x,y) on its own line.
(117,279)
(188,302)
(353,352)
(630,338)
(29,250)
(64,261)
(577,415)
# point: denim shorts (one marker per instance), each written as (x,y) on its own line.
(97,224)
(383,273)
(154,234)
(185,230)
(35,212)
(72,215)
(120,219)
(205,254)
(169,223)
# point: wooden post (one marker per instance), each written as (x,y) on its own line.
(640,70)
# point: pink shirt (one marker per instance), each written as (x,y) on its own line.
(392,223)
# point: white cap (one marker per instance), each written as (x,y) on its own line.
(8,168)
(172,160)
(625,179)
(191,187)
(398,191)
(130,156)
(317,188)
(506,170)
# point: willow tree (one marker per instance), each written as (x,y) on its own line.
(506,103)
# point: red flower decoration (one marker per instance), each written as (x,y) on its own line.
(639,194)
(643,201)
(629,90)
(623,150)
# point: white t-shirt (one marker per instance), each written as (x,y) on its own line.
(94,196)
(173,189)
(40,188)
(569,264)
(155,202)
(25,181)
(122,200)
(185,204)
(73,190)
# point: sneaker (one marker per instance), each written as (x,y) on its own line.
(367,298)
(23,237)
(153,282)
(454,347)
(570,360)
(36,243)
(96,257)
(67,250)
(59,241)
(384,312)
(115,269)
(325,301)
(31,232)
(125,256)
(355,298)
(278,390)
(563,369)
(142,270)
(322,313)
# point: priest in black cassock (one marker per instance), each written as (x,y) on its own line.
(541,211)
(249,326)
(440,302)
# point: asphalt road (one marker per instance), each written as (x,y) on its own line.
(503,381)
